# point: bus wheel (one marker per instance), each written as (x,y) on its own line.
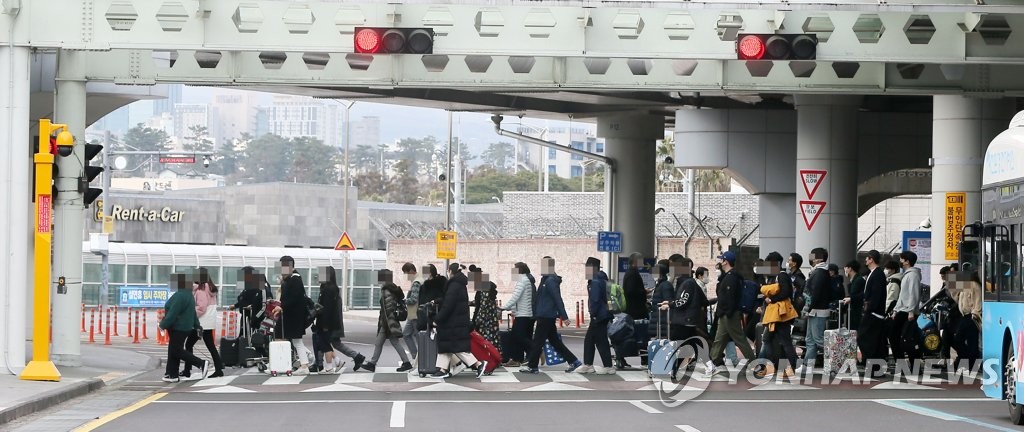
(1010,388)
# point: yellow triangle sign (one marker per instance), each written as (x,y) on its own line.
(345,243)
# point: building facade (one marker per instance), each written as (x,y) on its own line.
(296,116)
(559,163)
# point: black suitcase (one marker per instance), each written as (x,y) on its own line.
(424,316)
(426,353)
(508,346)
(229,349)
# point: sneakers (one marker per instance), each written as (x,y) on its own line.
(217,374)
(302,370)
(459,368)
(368,366)
(529,370)
(710,370)
(586,369)
(802,369)
(358,362)
(601,370)
(442,374)
(170,379)
(575,365)
(512,364)
(481,368)
(405,367)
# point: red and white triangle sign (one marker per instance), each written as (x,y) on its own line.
(811,210)
(812,179)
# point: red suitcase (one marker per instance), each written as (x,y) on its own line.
(484,351)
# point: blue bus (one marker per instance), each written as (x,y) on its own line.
(993,248)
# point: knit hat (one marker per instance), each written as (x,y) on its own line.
(593,262)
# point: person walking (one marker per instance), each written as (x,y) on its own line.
(688,322)
(907,305)
(549,307)
(664,291)
(330,324)
(521,306)
(819,287)
(600,317)
(778,318)
(205,293)
(968,298)
(250,300)
(635,292)
(486,315)
(296,312)
(412,303)
(389,327)
(453,341)
(432,288)
(180,320)
(871,332)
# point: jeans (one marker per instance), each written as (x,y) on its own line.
(522,337)
(546,331)
(730,327)
(395,342)
(597,337)
(815,338)
(176,353)
(208,340)
(409,335)
(730,352)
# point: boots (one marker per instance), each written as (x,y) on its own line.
(358,362)
(406,366)
(369,367)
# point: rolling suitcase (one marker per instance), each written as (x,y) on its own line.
(280,358)
(484,351)
(662,354)
(426,352)
(840,347)
(229,351)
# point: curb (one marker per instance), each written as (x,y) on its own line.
(50,399)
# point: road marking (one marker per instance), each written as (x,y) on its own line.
(554,386)
(928,412)
(551,401)
(687,428)
(116,414)
(645,407)
(562,376)
(398,414)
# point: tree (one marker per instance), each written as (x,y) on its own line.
(403,188)
(417,152)
(144,138)
(312,161)
(500,155)
(364,158)
(198,140)
(267,159)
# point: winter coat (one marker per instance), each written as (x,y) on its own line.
(453,317)
(521,302)
(249,302)
(330,318)
(180,312)
(206,307)
(549,298)
(636,294)
(689,305)
(969,300)
(892,291)
(293,302)
(781,308)
(663,291)
(391,298)
(874,292)
(819,287)
(432,289)
(412,301)
(857,286)
(910,292)
(485,309)
(729,293)
(597,297)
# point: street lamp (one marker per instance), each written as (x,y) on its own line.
(348,184)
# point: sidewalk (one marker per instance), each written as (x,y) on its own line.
(102,366)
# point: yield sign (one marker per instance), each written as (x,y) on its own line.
(812,179)
(345,243)
(811,210)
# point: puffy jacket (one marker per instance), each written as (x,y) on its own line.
(688,307)
(391,298)
(969,300)
(180,311)
(910,292)
(729,292)
(521,302)
(635,293)
(781,308)
(549,298)
(597,297)
(892,291)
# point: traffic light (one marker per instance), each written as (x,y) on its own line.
(776,46)
(89,194)
(385,40)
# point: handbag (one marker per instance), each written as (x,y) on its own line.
(551,355)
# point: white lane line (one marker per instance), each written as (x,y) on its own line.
(933,413)
(550,401)
(398,414)
(687,428)
(645,407)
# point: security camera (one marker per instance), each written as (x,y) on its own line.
(442,177)
(206,161)
(497,119)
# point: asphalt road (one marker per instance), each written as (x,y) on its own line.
(509,401)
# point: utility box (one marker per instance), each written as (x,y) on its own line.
(99,243)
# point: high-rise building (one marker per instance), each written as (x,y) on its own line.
(187,116)
(232,115)
(296,116)
(365,131)
(562,164)
(161,106)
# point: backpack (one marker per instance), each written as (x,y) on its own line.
(616,298)
(748,297)
(312,310)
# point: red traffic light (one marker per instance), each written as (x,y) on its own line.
(384,40)
(776,46)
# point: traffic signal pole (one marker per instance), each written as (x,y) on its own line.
(41,368)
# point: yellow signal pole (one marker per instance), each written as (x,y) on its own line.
(41,368)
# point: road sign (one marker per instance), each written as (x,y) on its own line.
(609,241)
(956,218)
(178,159)
(108,224)
(811,180)
(447,242)
(344,243)
(811,210)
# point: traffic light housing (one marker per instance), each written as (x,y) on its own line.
(390,40)
(760,46)
(89,173)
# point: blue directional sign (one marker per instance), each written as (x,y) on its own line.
(609,241)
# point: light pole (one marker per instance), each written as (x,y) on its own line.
(348,184)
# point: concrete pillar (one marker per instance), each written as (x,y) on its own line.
(630,142)
(827,141)
(775,232)
(15,187)
(962,128)
(69,213)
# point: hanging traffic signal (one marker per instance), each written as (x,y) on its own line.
(385,40)
(776,46)
(89,194)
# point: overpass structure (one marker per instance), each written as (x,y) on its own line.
(897,87)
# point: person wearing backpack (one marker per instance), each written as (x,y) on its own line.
(389,322)
(819,286)
(296,312)
(728,314)
(412,303)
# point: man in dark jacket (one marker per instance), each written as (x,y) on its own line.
(871,333)
(799,280)
(597,332)
(180,320)
(548,307)
(635,292)
(856,297)
(250,300)
(820,286)
(295,312)
(453,341)
(728,314)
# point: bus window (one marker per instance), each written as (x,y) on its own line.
(1006,267)
(970,253)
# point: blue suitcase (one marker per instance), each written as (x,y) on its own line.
(661,355)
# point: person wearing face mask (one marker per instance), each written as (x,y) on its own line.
(799,280)
(871,333)
(412,302)
(820,287)
(486,316)
(663,291)
(778,318)
(293,303)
